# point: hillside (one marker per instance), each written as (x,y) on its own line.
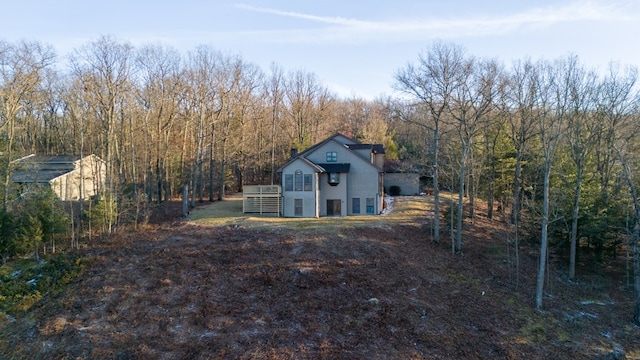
(337,290)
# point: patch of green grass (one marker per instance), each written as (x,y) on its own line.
(542,327)
(512,301)
(534,331)
(562,335)
(496,250)
(17,265)
(23,283)
(406,210)
(456,277)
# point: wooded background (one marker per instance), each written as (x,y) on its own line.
(550,145)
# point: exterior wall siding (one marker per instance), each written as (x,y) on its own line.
(409,183)
(309,208)
(82,183)
(363,181)
(338,192)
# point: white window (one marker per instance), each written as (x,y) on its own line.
(298,180)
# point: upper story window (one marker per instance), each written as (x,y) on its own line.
(308,182)
(332,156)
(298,180)
(334,179)
(288,182)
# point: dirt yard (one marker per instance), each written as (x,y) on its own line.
(228,286)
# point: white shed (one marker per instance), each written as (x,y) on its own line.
(71,177)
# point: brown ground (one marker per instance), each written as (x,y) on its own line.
(183,291)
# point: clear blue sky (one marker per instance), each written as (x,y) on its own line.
(354,47)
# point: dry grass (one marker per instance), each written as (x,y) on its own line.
(409,210)
(266,288)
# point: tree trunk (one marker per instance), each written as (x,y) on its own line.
(636,240)
(159,179)
(200,182)
(472,195)
(436,188)
(515,208)
(9,148)
(194,185)
(185,201)
(636,265)
(459,210)
(574,225)
(471,188)
(211,183)
(543,237)
(221,184)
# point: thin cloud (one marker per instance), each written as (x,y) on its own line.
(324,19)
(354,30)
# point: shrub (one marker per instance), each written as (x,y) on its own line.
(7,228)
(103,212)
(35,218)
(24,283)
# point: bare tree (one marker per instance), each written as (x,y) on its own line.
(554,107)
(275,93)
(50,136)
(302,90)
(104,67)
(430,83)
(635,241)
(613,101)
(22,67)
(519,105)
(354,114)
(471,101)
(581,133)
(159,94)
(247,114)
(199,111)
(617,110)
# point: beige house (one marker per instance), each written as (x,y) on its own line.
(336,177)
(71,177)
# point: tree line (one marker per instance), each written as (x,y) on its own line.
(163,121)
(550,140)
(549,144)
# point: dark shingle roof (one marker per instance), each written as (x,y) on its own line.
(336,167)
(375,148)
(42,168)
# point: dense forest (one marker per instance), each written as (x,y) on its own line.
(549,145)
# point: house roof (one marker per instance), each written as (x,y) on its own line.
(304,160)
(336,167)
(331,138)
(42,168)
(352,145)
(49,159)
(375,148)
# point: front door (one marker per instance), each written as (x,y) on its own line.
(333,208)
